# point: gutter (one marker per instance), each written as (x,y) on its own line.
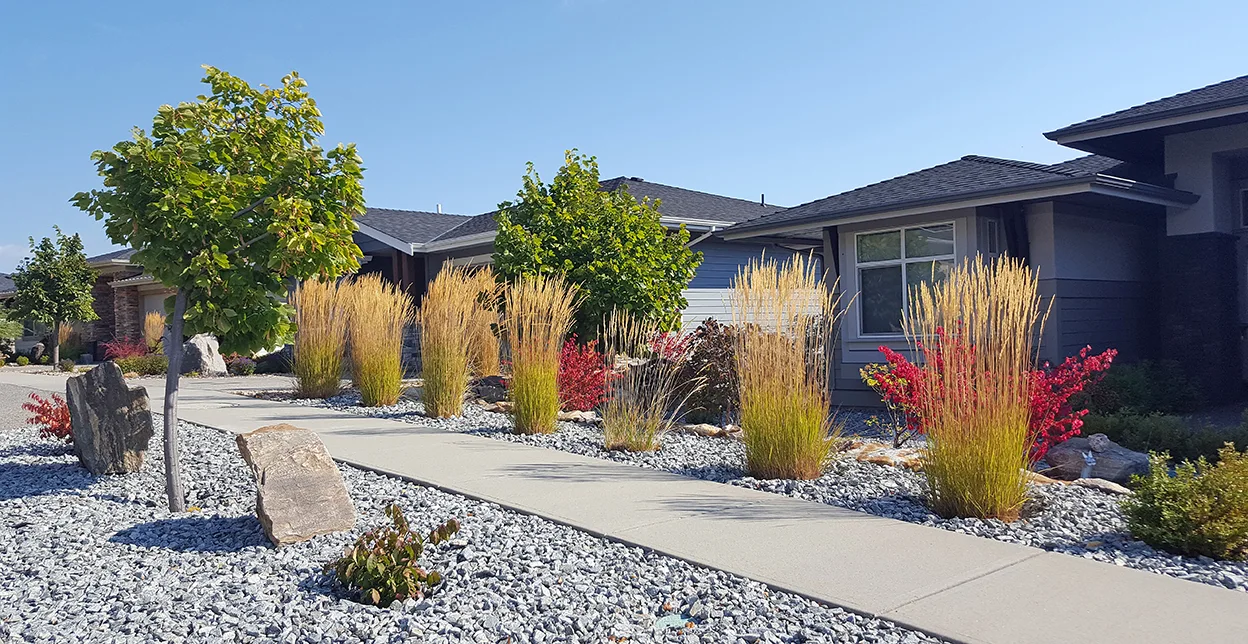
(1097,184)
(479,239)
(1178,116)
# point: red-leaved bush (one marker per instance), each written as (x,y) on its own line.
(582,376)
(1053,420)
(121,348)
(671,345)
(51,414)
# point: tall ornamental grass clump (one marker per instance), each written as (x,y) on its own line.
(380,313)
(538,313)
(153,329)
(786,318)
(321,319)
(641,383)
(976,332)
(448,319)
(484,347)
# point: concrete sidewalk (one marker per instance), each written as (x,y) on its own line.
(955,586)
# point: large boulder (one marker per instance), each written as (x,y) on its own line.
(299,490)
(1113,462)
(491,389)
(201,354)
(112,423)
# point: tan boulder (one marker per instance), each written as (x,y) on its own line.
(299,490)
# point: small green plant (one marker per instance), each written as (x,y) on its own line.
(382,566)
(67,365)
(22,361)
(1201,510)
(148,365)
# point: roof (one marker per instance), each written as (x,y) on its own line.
(1225,94)
(676,203)
(115,256)
(6,284)
(966,177)
(410,226)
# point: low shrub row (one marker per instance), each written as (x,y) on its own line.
(1157,432)
(145,365)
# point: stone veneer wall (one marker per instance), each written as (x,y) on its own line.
(127,313)
(102,303)
(1199,316)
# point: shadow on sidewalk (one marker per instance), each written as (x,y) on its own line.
(196,534)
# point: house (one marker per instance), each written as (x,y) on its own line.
(408,248)
(1141,244)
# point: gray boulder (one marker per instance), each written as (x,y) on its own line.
(202,355)
(112,423)
(299,490)
(1113,461)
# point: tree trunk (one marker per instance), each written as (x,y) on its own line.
(55,349)
(173,471)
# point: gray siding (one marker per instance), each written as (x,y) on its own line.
(709,290)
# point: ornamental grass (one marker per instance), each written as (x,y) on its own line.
(976,332)
(641,383)
(321,319)
(786,318)
(153,329)
(448,318)
(484,347)
(380,313)
(538,312)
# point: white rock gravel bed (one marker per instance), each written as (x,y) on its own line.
(87,559)
(1073,520)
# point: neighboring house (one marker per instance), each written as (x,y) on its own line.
(1144,244)
(408,248)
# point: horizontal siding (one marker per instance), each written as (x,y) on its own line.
(1101,313)
(706,303)
(721,261)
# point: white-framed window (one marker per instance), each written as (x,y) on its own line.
(890,263)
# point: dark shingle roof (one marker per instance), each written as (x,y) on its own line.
(411,226)
(679,203)
(6,284)
(967,176)
(1225,94)
(125,253)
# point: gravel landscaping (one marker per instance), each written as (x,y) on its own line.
(1073,520)
(99,559)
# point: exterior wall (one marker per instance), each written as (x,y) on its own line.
(1099,267)
(1199,162)
(127,313)
(709,292)
(100,330)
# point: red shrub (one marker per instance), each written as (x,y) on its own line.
(671,345)
(1050,390)
(582,376)
(118,349)
(52,416)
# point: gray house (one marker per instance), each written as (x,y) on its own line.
(1142,244)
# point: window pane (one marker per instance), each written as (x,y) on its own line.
(918,273)
(879,246)
(929,240)
(881,298)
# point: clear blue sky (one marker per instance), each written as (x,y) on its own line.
(448,100)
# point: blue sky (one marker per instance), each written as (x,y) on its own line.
(448,100)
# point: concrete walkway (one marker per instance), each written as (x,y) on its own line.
(955,586)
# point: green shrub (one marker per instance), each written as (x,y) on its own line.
(148,365)
(45,359)
(1163,433)
(1201,510)
(67,365)
(383,564)
(22,361)
(1144,387)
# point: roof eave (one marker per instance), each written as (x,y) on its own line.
(1097,184)
(386,238)
(1209,111)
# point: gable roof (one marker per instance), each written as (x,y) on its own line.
(410,226)
(117,256)
(970,176)
(678,204)
(1228,93)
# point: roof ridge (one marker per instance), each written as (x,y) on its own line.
(416,212)
(1027,165)
(624,179)
(467,218)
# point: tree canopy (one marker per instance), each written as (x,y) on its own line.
(227,199)
(54,285)
(612,245)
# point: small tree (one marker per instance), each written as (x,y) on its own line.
(228,200)
(54,285)
(611,245)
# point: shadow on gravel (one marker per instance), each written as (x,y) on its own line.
(19,480)
(196,534)
(37,449)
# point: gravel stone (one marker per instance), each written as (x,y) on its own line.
(99,559)
(1073,520)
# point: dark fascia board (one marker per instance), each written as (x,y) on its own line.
(1084,131)
(1103,184)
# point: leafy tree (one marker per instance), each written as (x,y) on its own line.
(54,285)
(609,243)
(229,199)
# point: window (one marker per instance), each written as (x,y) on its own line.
(892,262)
